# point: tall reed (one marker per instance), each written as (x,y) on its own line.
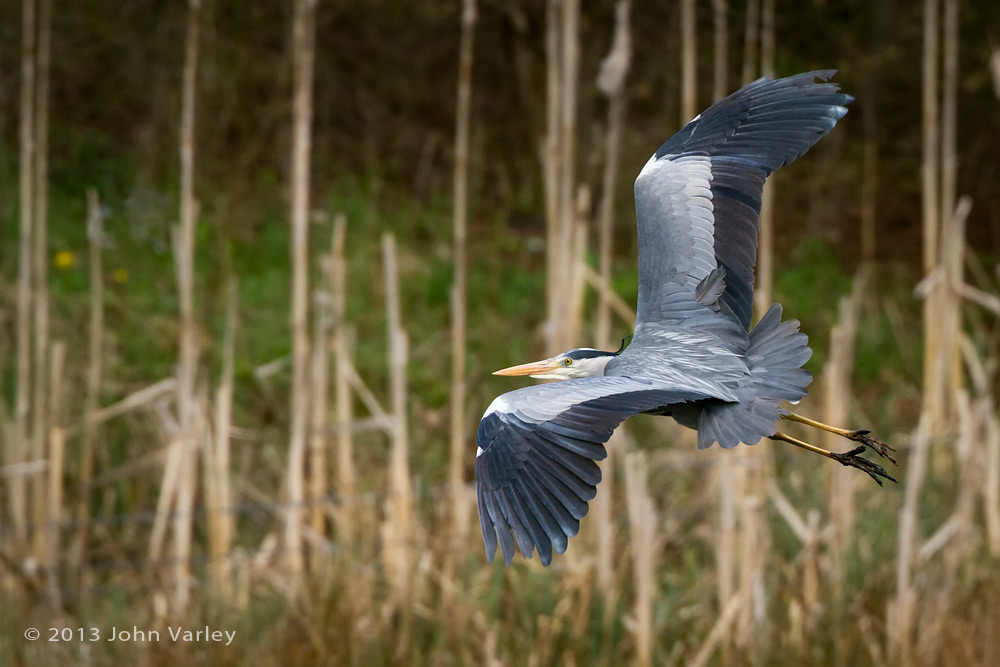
(642,524)
(399,522)
(95,372)
(610,81)
(40,273)
(22,386)
(343,396)
(689,61)
(929,189)
(720,45)
(188,363)
(459,289)
(303,39)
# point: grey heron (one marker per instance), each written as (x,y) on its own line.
(693,355)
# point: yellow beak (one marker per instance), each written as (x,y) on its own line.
(534,368)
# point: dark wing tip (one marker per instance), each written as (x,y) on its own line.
(534,481)
(535,467)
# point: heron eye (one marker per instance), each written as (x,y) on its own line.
(568,362)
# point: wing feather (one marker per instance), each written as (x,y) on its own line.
(575,503)
(535,475)
(698,198)
(526,514)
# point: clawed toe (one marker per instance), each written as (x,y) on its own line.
(853,459)
(865,437)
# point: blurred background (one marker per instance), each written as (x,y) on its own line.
(259,260)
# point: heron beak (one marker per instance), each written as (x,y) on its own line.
(534,368)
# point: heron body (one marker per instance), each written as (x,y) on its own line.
(693,355)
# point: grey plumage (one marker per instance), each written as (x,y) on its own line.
(693,355)
(535,467)
(729,149)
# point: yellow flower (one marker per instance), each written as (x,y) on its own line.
(64,259)
(120,275)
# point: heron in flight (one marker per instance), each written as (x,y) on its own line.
(693,355)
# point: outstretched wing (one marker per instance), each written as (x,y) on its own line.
(698,198)
(535,470)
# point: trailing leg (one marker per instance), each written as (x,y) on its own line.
(864,436)
(851,459)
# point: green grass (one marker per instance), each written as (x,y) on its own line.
(506,305)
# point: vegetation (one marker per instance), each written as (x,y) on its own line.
(140,489)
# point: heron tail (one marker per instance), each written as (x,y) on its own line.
(775,354)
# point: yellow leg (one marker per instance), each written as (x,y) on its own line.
(864,436)
(782,437)
(851,459)
(791,416)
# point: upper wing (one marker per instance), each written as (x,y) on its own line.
(535,469)
(698,198)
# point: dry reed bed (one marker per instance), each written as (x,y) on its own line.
(697,558)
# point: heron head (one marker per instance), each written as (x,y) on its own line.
(579,363)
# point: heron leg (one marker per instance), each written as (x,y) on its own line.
(863,435)
(851,459)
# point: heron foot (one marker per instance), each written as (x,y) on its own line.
(865,437)
(853,459)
